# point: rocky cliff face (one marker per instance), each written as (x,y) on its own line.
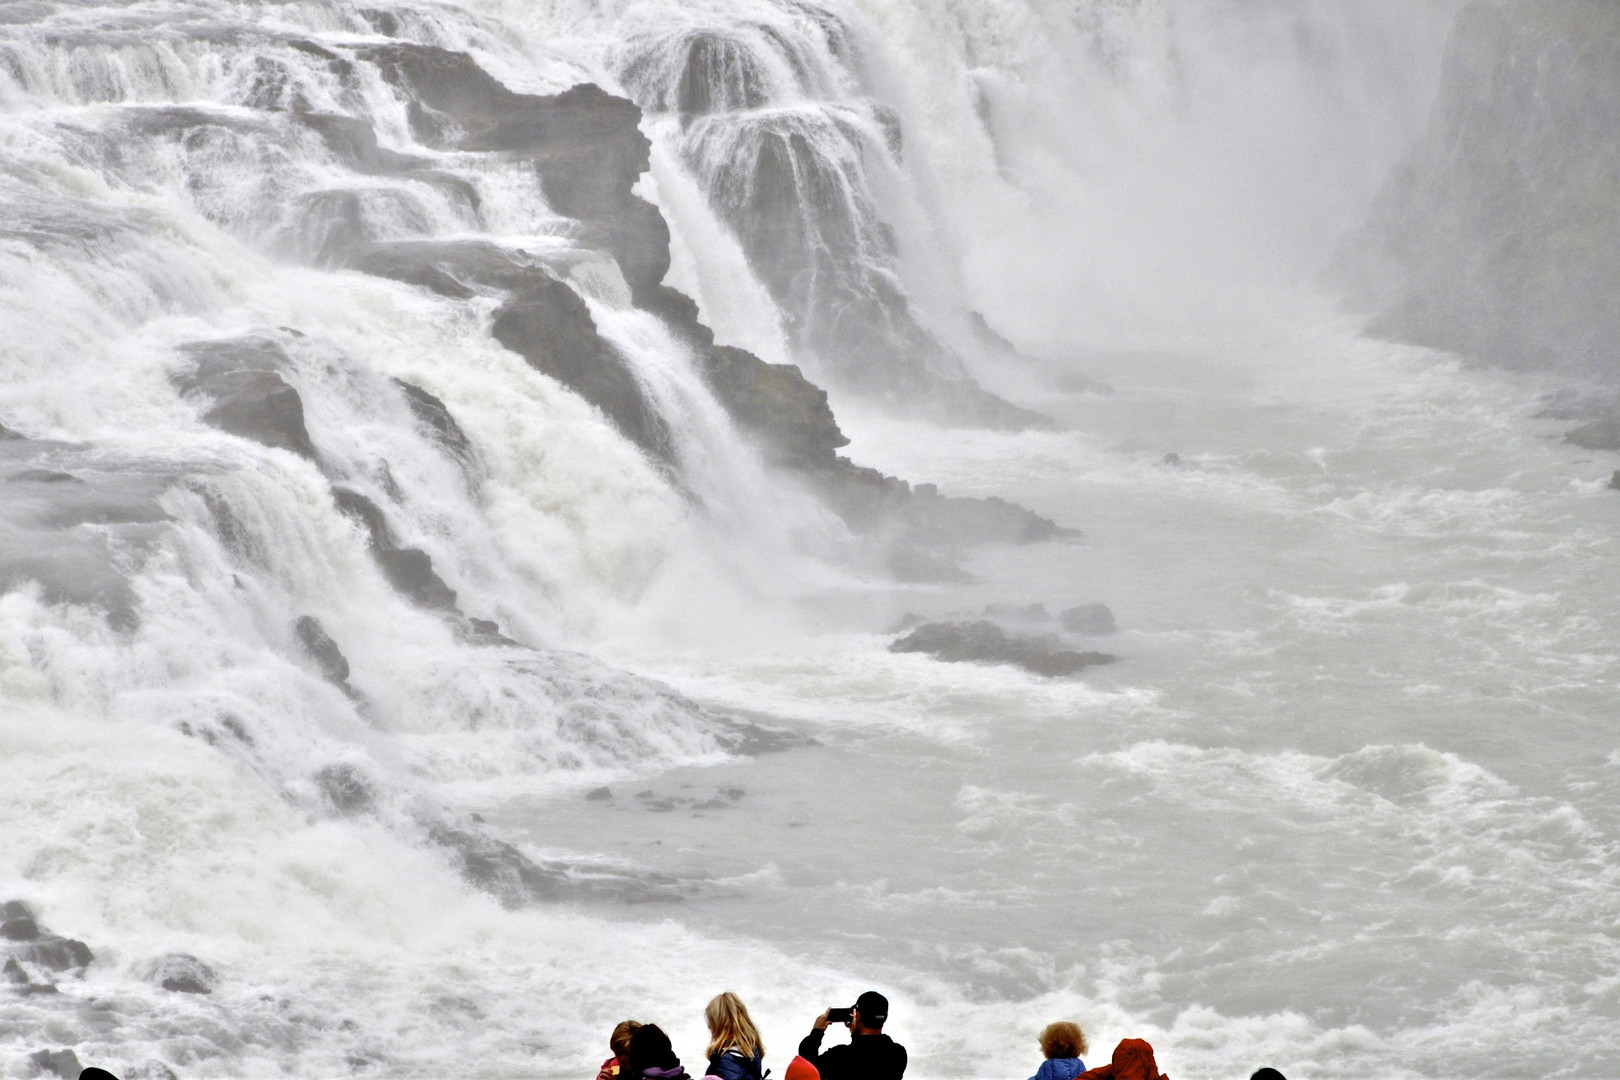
(1499,237)
(295,168)
(588,151)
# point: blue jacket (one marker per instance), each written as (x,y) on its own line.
(1059,1069)
(730,1065)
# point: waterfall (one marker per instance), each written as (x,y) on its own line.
(390,388)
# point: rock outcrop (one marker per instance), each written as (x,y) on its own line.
(62,1063)
(983,642)
(182,973)
(240,383)
(548,324)
(34,958)
(409,570)
(1089,619)
(1499,237)
(588,152)
(323,652)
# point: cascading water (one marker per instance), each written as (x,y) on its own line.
(422,647)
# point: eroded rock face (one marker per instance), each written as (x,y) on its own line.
(1499,237)
(410,570)
(240,380)
(983,642)
(75,517)
(436,418)
(588,152)
(549,326)
(586,146)
(786,413)
(17,922)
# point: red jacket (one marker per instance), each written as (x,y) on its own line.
(1133,1060)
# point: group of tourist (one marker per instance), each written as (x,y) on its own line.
(736,1052)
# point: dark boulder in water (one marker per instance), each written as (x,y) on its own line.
(63,1063)
(23,939)
(320,648)
(52,952)
(346,788)
(983,642)
(1089,619)
(241,380)
(17,922)
(496,866)
(182,973)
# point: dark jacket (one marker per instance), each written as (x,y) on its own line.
(731,1065)
(867,1057)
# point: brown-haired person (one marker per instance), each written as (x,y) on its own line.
(1062,1043)
(619,1043)
(735,1049)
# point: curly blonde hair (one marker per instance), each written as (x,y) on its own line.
(1063,1040)
(730,1027)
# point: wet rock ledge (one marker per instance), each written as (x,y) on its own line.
(588,151)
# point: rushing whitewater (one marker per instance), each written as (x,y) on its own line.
(438,624)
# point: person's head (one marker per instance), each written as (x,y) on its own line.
(871,1010)
(620,1039)
(1063,1040)
(800,1069)
(1268,1074)
(730,1027)
(1133,1060)
(650,1049)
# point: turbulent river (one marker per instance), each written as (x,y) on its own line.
(437,733)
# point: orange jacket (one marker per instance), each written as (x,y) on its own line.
(1133,1060)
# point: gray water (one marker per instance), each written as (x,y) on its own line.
(1344,806)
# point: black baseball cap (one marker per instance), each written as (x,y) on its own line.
(873,1007)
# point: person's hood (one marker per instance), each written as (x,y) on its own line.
(673,1073)
(1133,1060)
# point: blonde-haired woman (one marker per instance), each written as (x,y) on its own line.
(735,1049)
